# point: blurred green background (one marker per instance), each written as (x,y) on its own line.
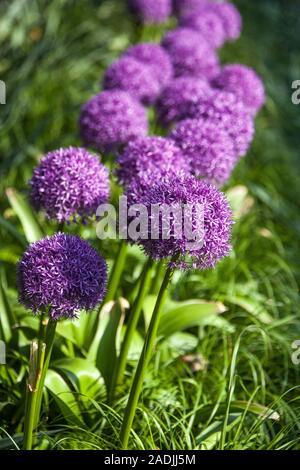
(52,55)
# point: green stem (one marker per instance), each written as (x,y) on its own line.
(157,280)
(49,340)
(133,319)
(116,272)
(144,360)
(37,355)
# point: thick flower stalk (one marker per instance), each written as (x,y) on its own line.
(111,119)
(245,83)
(151,11)
(57,277)
(133,77)
(69,183)
(178,96)
(191,54)
(209,149)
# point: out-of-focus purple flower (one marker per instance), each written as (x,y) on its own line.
(178,96)
(69,183)
(208,24)
(191,54)
(61,275)
(229,113)
(206,241)
(134,77)
(186,7)
(243,82)
(231,18)
(150,154)
(155,57)
(209,149)
(151,11)
(111,119)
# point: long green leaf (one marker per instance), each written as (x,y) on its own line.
(23,211)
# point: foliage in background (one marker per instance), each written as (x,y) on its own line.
(222,376)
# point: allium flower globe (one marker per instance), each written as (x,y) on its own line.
(208,24)
(228,112)
(111,119)
(214,228)
(191,54)
(151,11)
(69,183)
(155,57)
(134,77)
(61,275)
(209,149)
(177,97)
(230,17)
(150,154)
(243,82)
(186,7)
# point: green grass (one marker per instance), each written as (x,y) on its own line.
(52,58)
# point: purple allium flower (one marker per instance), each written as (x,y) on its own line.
(69,182)
(177,97)
(231,19)
(191,54)
(209,149)
(208,24)
(243,82)
(111,119)
(186,7)
(211,228)
(153,154)
(62,275)
(151,11)
(226,111)
(136,78)
(155,57)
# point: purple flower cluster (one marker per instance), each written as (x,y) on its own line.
(176,99)
(134,77)
(191,54)
(111,119)
(155,57)
(208,23)
(186,7)
(243,82)
(151,11)
(150,154)
(69,182)
(213,226)
(208,148)
(226,111)
(61,275)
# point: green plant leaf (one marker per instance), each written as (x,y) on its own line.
(23,211)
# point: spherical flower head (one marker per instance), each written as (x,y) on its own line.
(230,17)
(151,11)
(205,218)
(110,119)
(186,7)
(155,57)
(228,112)
(243,82)
(178,96)
(191,54)
(209,149)
(61,275)
(69,183)
(153,154)
(134,77)
(208,24)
